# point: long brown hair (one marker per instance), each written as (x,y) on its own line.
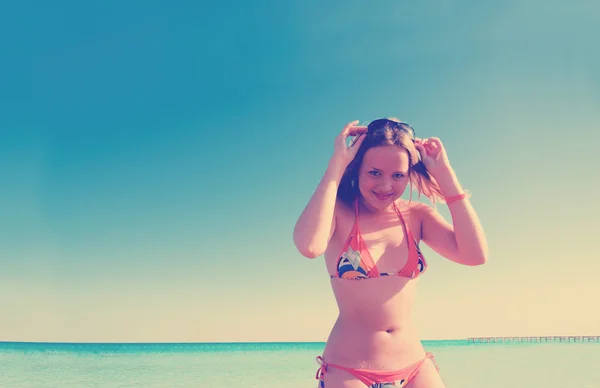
(382,132)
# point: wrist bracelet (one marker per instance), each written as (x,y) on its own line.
(454,198)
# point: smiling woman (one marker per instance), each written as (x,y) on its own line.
(371,168)
(370,239)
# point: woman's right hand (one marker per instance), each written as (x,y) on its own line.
(344,154)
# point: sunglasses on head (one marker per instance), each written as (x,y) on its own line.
(381,124)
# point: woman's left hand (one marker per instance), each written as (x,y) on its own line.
(433,154)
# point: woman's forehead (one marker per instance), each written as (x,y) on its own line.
(390,155)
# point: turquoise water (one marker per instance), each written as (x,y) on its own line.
(254,365)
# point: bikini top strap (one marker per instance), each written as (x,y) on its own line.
(408,233)
(412,242)
(356,214)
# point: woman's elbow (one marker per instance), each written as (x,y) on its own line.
(475,261)
(310,252)
(479,261)
(309,245)
(483,257)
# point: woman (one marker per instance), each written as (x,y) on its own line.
(369,237)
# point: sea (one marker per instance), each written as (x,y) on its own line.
(283,365)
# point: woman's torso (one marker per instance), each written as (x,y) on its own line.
(374,328)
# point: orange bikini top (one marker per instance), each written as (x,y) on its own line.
(355,262)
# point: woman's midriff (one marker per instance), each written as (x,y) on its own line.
(374,327)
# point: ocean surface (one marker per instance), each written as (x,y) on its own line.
(254,365)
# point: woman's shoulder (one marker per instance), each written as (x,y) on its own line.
(414,212)
(413,207)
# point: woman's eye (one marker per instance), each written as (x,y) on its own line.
(398,176)
(374,173)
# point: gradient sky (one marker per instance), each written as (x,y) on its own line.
(154,158)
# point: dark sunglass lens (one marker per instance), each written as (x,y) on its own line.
(406,127)
(377,125)
(380,124)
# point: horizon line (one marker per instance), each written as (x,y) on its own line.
(260,342)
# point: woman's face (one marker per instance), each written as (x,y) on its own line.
(383,176)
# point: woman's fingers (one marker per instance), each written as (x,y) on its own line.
(357,130)
(347,127)
(436,141)
(421,149)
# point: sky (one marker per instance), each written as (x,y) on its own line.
(154,158)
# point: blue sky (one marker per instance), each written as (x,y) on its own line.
(155,157)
